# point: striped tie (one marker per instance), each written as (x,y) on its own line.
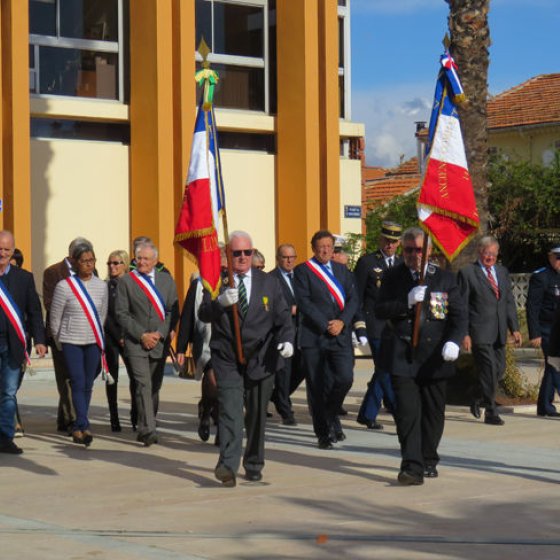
(243,303)
(493,284)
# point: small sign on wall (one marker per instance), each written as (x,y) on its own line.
(351,211)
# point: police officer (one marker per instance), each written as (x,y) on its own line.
(369,274)
(543,299)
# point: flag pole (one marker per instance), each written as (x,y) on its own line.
(421,282)
(208,105)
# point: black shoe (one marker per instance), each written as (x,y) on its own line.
(342,412)
(407,478)
(10,447)
(289,421)
(475,409)
(325,443)
(204,429)
(494,420)
(268,414)
(225,475)
(551,414)
(339,436)
(253,476)
(87,438)
(430,471)
(116,425)
(134,427)
(369,424)
(148,439)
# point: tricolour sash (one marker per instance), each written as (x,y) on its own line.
(90,311)
(149,288)
(333,285)
(10,308)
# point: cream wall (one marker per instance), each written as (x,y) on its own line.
(528,144)
(249,183)
(79,188)
(350,194)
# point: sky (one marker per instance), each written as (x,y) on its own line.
(396,45)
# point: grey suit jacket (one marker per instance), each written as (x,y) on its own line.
(136,314)
(489,318)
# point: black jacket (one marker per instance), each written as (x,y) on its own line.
(543,299)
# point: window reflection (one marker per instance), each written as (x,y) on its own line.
(89,19)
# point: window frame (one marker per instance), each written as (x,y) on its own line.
(114,47)
(345,70)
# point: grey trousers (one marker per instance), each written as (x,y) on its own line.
(146,372)
(233,393)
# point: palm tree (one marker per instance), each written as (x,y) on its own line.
(470,39)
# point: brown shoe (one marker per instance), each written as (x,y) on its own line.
(88,438)
(78,437)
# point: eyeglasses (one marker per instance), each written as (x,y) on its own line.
(114,263)
(87,261)
(246,252)
(410,250)
(288,257)
(557,256)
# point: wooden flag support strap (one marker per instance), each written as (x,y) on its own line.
(418,310)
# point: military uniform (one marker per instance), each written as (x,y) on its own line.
(543,300)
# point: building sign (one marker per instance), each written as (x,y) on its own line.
(352,211)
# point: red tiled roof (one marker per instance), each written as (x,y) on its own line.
(536,101)
(370,173)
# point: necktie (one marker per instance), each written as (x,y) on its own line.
(389,262)
(493,284)
(243,303)
(291,280)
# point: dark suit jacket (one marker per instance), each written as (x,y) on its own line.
(438,325)
(317,307)
(266,324)
(136,314)
(288,296)
(369,273)
(51,277)
(489,318)
(21,286)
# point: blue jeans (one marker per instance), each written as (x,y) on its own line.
(379,388)
(83,363)
(9,381)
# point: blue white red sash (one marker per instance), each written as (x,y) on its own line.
(148,287)
(90,311)
(333,285)
(10,308)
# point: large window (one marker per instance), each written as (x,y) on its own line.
(76,47)
(239,35)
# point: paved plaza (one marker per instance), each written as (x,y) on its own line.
(497,497)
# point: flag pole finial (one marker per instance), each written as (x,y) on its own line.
(446,42)
(204,51)
(206,76)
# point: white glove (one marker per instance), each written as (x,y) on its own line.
(228,297)
(362,340)
(450,351)
(554,361)
(354,339)
(286,349)
(416,295)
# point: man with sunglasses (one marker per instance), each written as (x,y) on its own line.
(419,374)
(543,300)
(266,337)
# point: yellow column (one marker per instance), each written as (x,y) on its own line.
(151,124)
(298,174)
(15,154)
(329,115)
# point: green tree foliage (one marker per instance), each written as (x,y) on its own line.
(524,203)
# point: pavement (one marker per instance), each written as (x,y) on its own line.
(496,497)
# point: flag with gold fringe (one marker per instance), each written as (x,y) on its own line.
(446,204)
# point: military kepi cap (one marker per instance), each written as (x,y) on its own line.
(555,249)
(391,230)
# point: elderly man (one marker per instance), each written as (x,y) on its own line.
(486,287)
(266,338)
(20,308)
(51,277)
(327,303)
(146,308)
(369,273)
(419,374)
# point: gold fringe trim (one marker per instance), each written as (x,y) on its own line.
(449,214)
(194,234)
(463,244)
(213,292)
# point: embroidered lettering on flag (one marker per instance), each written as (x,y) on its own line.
(333,285)
(10,308)
(147,286)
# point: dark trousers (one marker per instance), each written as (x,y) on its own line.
(233,393)
(551,378)
(66,413)
(148,376)
(112,353)
(491,362)
(298,370)
(420,417)
(281,393)
(83,363)
(379,389)
(326,367)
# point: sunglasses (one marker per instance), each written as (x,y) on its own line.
(114,263)
(410,250)
(246,252)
